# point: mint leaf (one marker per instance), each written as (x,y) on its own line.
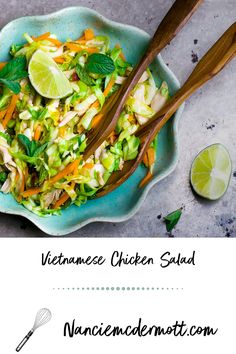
(33,113)
(42,113)
(25,142)
(84,75)
(100,64)
(15,48)
(14,70)
(6,136)
(30,146)
(38,115)
(172,219)
(3,177)
(23,157)
(33,148)
(40,149)
(12,85)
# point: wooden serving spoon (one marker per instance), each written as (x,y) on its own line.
(211,64)
(174,20)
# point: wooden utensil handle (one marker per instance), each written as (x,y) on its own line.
(210,65)
(174,20)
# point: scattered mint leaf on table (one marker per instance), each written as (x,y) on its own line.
(100,64)
(14,70)
(172,219)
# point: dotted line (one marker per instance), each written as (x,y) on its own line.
(117,288)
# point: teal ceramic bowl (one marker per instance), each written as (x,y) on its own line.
(124,202)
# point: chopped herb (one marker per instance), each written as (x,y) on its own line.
(6,136)
(164,91)
(43,174)
(172,219)
(14,70)
(82,142)
(100,64)
(84,75)
(33,113)
(38,115)
(3,177)
(33,148)
(15,48)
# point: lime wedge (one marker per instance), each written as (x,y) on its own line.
(211,171)
(46,77)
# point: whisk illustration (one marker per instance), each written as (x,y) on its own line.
(42,317)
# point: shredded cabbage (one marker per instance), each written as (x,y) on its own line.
(46,138)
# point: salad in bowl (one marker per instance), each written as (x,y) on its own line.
(51,95)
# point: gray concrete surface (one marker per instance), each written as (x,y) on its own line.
(209,117)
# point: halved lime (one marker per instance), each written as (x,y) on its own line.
(211,172)
(47,78)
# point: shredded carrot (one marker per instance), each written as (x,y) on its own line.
(10,110)
(65,196)
(151,156)
(81,41)
(17,176)
(112,137)
(76,165)
(148,160)
(95,104)
(109,86)
(66,171)
(46,36)
(121,53)
(26,173)
(97,119)
(31,191)
(74,47)
(145,160)
(22,186)
(37,132)
(88,34)
(80,129)
(80,38)
(54,41)
(92,50)
(41,37)
(70,168)
(145,180)
(2,113)
(62,131)
(131,118)
(122,56)
(88,165)
(59,60)
(2,64)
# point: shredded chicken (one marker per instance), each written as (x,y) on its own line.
(51,197)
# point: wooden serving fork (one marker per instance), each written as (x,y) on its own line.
(211,64)
(174,20)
